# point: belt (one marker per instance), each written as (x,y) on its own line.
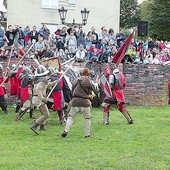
(80,97)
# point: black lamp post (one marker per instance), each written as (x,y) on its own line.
(84,14)
(62,12)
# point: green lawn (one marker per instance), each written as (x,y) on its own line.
(144,145)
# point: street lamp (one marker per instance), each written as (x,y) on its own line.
(84,13)
(62,13)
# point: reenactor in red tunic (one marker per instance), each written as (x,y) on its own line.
(117,83)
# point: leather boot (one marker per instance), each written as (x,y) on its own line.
(42,127)
(4,108)
(105,118)
(33,128)
(64,134)
(31,114)
(127,116)
(60,115)
(18,117)
(17,108)
(107,123)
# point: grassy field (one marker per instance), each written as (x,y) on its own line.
(144,145)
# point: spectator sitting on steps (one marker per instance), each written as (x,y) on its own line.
(81,54)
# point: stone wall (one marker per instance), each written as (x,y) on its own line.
(145,84)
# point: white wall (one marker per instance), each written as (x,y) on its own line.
(29,12)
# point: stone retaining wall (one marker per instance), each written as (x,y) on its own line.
(145,84)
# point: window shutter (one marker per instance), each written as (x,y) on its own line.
(54,4)
(45,4)
(50,4)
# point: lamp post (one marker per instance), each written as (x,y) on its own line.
(63,12)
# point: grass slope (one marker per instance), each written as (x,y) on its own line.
(144,145)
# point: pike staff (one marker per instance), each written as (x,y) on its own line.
(19,62)
(59,80)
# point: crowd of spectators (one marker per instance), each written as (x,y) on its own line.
(66,43)
(148,52)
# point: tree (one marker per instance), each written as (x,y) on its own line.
(144,10)
(160,19)
(156,12)
(129,13)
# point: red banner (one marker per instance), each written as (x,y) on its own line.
(120,54)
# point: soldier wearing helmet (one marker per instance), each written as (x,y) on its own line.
(39,96)
(57,102)
(26,92)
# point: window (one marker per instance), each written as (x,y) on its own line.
(72,2)
(50,4)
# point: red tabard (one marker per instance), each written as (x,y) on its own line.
(119,95)
(13,85)
(1,88)
(58,97)
(58,100)
(118,92)
(24,94)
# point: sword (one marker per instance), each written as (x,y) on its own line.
(67,61)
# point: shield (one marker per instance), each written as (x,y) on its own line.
(53,62)
(71,75)
(104,84)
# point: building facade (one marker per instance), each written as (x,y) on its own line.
(36,12)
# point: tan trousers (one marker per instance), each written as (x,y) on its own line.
(87,118)
(45,114)
(26,105)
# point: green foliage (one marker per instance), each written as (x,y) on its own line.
(129,13)
(158,15)
(143,145)
(145,10)
(126,32)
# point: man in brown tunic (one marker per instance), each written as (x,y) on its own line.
(82,93)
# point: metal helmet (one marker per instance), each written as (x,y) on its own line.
(115,71)
(1,67)
(26,70)
(41,71)
(13,67)
(31,77)
(92,73)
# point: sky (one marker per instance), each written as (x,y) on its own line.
(140,1)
